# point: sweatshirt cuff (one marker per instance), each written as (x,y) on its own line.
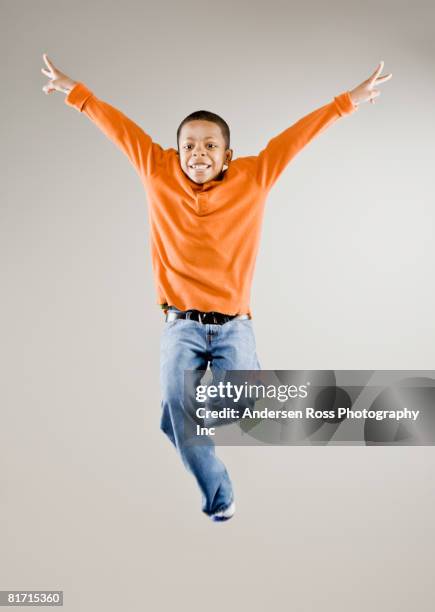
(77,96)
(344,104)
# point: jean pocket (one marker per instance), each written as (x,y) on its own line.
(171,324)
(245,322)
(175,323)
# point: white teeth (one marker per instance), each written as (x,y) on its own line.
(199,166)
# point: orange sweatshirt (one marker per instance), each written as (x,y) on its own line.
(205,238)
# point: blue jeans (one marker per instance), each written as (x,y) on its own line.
(191,345)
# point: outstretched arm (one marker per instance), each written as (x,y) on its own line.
(138,146)
(280,150)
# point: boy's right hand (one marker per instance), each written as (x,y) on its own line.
(58,80)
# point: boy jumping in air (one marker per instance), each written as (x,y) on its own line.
(205,212)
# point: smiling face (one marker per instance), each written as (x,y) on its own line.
(202,150)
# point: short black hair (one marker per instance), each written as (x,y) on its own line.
(204,115)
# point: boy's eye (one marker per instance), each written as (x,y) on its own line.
(189,146)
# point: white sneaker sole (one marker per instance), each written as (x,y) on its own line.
(224,515)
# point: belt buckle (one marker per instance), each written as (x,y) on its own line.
(216,320)
(203,317)
(207,318)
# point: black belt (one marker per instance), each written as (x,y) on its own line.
(212,318)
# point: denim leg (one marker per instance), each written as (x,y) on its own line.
(184,347)
(232,347)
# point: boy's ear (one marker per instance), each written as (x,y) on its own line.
(228,155)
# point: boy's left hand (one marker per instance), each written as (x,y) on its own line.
(366,91)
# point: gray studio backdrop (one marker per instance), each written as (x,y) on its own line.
(94,500)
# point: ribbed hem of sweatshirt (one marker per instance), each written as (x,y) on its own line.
(77,96)
(344,104)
